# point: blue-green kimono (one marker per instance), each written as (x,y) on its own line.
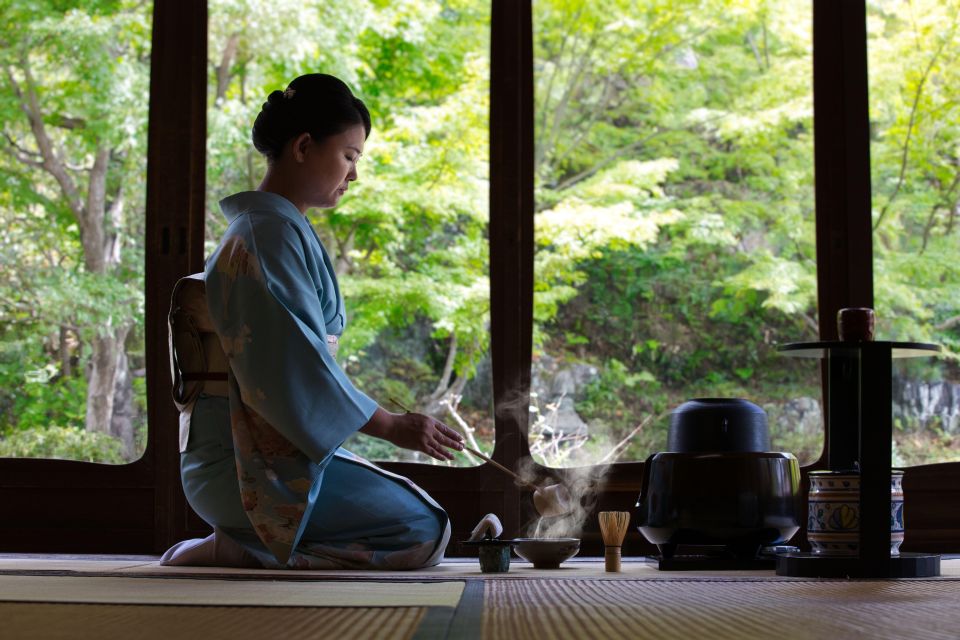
(264,464)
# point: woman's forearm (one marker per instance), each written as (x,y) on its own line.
(379,424)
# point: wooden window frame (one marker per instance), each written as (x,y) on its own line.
(77,507)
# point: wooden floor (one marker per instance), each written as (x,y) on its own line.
(56,597)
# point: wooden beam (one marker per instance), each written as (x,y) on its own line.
(842,160)
(511,231)
(176,168)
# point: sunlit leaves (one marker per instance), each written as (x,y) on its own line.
(789,287)
(914,64)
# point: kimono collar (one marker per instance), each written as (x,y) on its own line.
(247,201)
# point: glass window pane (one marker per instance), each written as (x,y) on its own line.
(409,238)
(674,221)
(73,102)
(914,66)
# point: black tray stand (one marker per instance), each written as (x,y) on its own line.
(860,434)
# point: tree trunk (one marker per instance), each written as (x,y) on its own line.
(64,353)
(108,370)
(109,373)
(124,416)
(226,63)
(105,363)
(110,406)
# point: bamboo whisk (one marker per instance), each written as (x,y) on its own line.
(613,526)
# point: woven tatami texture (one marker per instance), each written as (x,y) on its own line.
(41,621)
(219,592)
(581,609)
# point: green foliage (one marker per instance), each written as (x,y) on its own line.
(674,243)
(67,443)
(915,75)
(729,269)
(74,89)
(33,394)
(410,239)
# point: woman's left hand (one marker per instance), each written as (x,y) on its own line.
(416,432)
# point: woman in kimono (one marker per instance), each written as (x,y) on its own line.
(262,462)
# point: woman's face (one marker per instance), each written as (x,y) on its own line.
(328,166)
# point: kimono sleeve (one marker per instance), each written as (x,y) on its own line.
(268,313)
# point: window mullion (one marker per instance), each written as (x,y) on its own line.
(842,160)
(511,232)
(174,226)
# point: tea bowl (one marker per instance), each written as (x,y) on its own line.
(546,553)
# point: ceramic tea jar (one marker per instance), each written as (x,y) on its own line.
(833,513)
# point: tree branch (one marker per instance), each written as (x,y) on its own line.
(594,169)
(344,264)
(587,125)
(556,70)
(68,122)
(904,157)
(948,324)
(756,50)
(51,159)
(113,220)
(22,155)
(811,323)
(621,446)
(571,89)
(468,431)
(92,223)
(945,203)
(444,381)
(226,63)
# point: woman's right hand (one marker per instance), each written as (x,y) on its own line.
(416,432)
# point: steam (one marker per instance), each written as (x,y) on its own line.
(515,406)
(584,484)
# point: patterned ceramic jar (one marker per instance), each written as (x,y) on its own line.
(833,513)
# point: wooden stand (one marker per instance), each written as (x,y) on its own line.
(860,436)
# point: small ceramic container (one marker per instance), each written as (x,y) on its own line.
(833,513)
(495,557)
(856,324)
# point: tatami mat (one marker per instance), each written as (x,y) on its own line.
(272,593)
(582,609)
(76,597)
(54,564)
(454,569)
(32,621)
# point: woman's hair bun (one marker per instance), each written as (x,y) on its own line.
(273,101)
(316,103)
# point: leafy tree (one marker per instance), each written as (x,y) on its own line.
(73,98)
(409,243)
(915,70)
(674,199)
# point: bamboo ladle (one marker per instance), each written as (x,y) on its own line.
(549,500)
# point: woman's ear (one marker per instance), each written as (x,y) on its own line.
(300,145)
